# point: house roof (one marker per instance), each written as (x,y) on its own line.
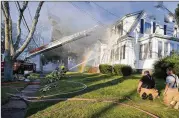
(127,15)
(139,15)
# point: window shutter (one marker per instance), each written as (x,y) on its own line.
(142,26)
(124,51)
(154,27)
(165,29)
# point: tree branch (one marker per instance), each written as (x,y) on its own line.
(21,11)
(7,42)
(8,24)
(34,23)
(10,36)
(3,9)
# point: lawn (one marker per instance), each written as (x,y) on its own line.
(101,87)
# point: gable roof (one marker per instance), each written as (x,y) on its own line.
(127,15)
(139,15)
(134,24)
(137,20)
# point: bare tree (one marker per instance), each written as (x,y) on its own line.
(12,48)
(177,15)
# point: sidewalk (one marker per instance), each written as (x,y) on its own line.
(16,108)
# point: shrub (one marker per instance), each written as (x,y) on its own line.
(122,69)
(105,69)
(161,65)
(117,69)
(34,76)
(176,68)
(52,77)
(126,70)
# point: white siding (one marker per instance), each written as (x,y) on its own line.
(127,23)
(132,44)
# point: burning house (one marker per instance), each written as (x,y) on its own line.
(139,39)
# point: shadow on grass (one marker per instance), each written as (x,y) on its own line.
(83,74)
(112,105)
(104,110)
(35,107)
(91,88)
(94,87)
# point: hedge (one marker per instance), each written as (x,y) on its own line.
(117,69)
(161,65)
(105,69)
(122,69)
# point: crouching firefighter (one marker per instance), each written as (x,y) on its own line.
(171,93)
(146,87)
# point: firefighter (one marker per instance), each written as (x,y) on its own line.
(63,71)
(57,72)
(146,87)
(171,93)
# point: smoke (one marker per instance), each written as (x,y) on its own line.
(62,27)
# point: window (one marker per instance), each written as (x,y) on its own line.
(145,51)
(165,29)
(112,54)
(166,49)
(120,29)
(147,28)
(160,49)
(150,50)
(124,51)
(140,52)
(171,48)
(117,54)
(154,27)
(142,26)
(175,32)
(121,51)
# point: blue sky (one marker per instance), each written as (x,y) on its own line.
(77,20)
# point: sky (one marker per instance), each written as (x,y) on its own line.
(72,14)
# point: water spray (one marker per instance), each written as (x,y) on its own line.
(83,62)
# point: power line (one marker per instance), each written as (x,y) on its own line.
(99,22)
(29,13)
(32,20)
(106,10)
(25,23)
(19,10)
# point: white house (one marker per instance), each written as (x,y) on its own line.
(139,39)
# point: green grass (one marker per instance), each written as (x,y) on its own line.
(62,87)
(103,87)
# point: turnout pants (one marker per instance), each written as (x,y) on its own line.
(154,92)
(171,98)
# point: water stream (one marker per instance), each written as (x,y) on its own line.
(83,62)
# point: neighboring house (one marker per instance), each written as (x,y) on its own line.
(138,39)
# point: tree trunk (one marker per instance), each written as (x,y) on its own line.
(8,65)
(8,68)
